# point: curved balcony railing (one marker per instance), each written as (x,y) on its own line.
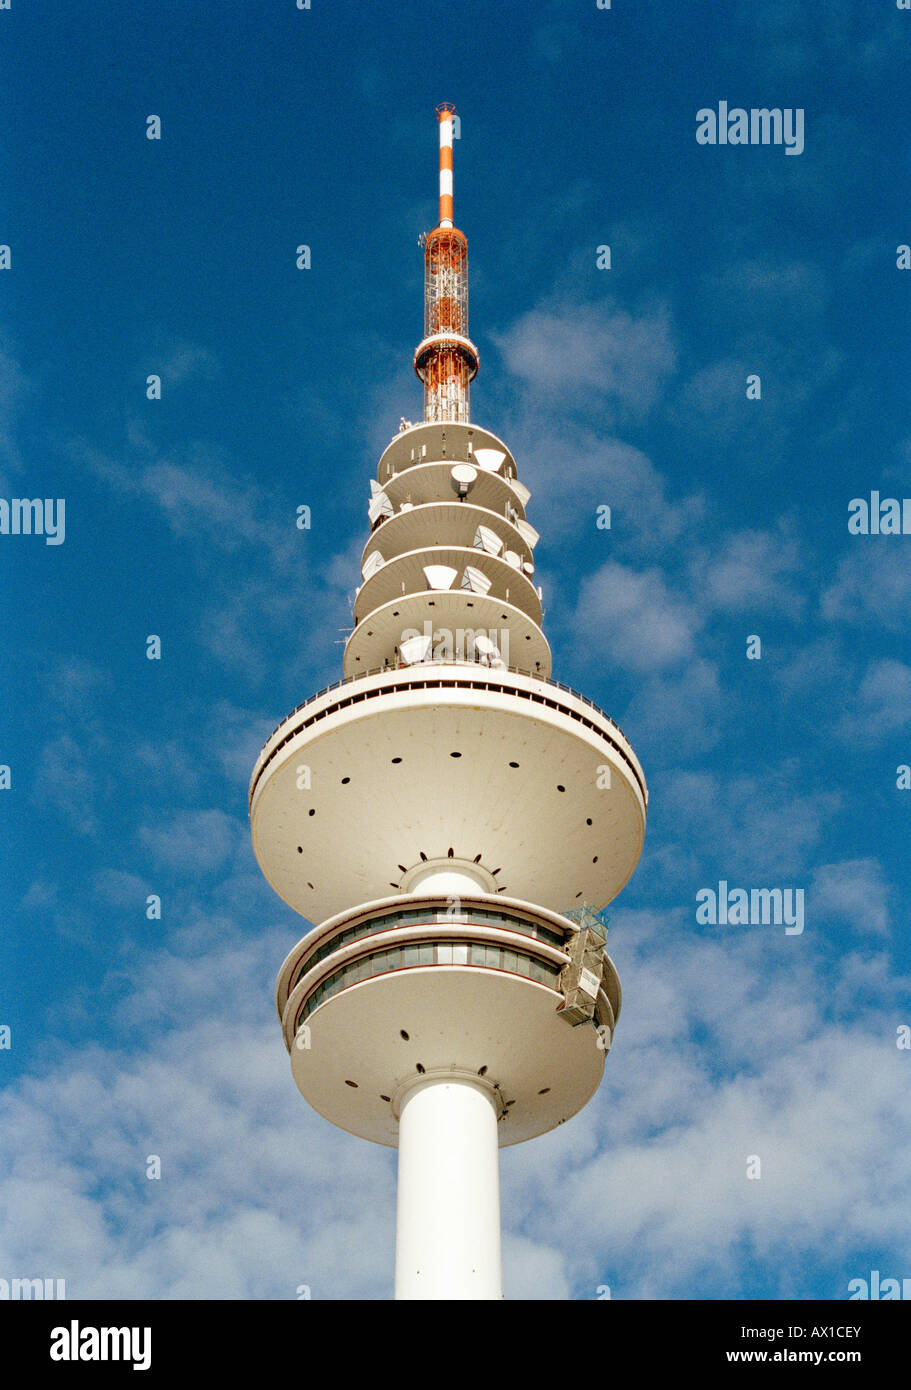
(441,661)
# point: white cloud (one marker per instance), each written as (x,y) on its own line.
(236,737)
(881,705)
(591,353)
(40,893)
(202,498)
(676,715)
(168,763)
(533,1270)
(761,827)
(817,669)
(66,779)
(651,1179)
(571,471)
(183,360)
(639,622)
(194,841)
(646,1190)
(854,891)
(120,888)
(767,290)
(255,1194)
(751,570)
(872,585)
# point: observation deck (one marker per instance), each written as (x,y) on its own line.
(519,774)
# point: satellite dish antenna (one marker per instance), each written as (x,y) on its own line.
(528,533)
(474,580)
(463,478)
(512,558)
(379,507)
(439,576)
(491,460)
(520,490)
(489,650)
(487,540)
(415,649)
(373,562)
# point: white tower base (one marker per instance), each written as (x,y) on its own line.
(448,1225)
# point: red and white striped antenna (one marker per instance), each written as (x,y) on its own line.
(445,113)
(446,360)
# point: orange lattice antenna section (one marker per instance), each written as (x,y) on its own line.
(446,360)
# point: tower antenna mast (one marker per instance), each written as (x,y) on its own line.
(446,360)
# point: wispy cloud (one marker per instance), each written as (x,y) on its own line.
(183,360)
(754,826)
(67,780)
(882,705)
(641,623)
(872,585)
(600,356)
(853,891)
(201,498)
(645,1191)
(195,841)
(751,570)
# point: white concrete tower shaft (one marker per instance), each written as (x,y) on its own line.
(447,1241)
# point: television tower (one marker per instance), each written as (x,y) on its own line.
(448,814)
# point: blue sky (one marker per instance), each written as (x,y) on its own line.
(624,387)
